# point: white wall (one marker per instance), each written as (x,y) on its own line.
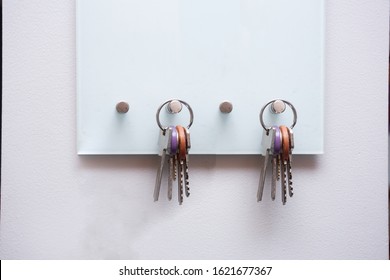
(57,205)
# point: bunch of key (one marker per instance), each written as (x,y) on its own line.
(174,143)
(278,143)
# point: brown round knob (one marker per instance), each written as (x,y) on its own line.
(122,107)
(226,107)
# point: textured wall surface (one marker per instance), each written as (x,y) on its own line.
(57,205)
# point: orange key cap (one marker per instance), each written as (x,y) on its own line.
(285,142)
(182,142)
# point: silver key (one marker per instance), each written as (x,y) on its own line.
(170,176)
(274,176)
(276,149)
(175,167)
(283,182)
(186,162)
(183,178)
(289,168)
(172,167)
(164,142)
(180,182)
(188,140)
(267,144)
(260,189)
(184,144)
(159,176)
(279,167)
(285,159)
(186,178)
(178,177)
(289,179)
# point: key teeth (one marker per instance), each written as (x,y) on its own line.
(175,168)
(291,193)
(290,182)
(187,189)
(182,180)
(278,168)
(274,177)
(181,196)
(290,187)
(187,176)
(284,177)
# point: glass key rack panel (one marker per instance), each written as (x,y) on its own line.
(205,52)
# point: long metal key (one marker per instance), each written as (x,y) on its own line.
(186,163)
(277,147)
(289,168)
(181,161)
(164,143)
(172,150)
(284,161)
(170,176)
(267,144)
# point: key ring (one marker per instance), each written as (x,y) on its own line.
(272,101)
(165,103)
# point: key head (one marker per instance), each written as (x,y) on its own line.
(188,139)
(164,140)
(291,134)
(277,147)
(174,146)
(285,142)
(267,141)
(182,142)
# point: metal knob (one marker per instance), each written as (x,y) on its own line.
(174,107)
(278,106)
(226,107)
(122,107)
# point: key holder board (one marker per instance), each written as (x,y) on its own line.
(204,52)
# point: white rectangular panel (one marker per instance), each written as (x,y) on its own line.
(204,52)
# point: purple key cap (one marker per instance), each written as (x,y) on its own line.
(174,141)
(278,140)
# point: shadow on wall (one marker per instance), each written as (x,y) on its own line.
(200,162)
(115,186)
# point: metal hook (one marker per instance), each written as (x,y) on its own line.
(277,108)
(171,101)
(174,107)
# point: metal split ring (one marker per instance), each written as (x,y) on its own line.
(272,101)
(165,103)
